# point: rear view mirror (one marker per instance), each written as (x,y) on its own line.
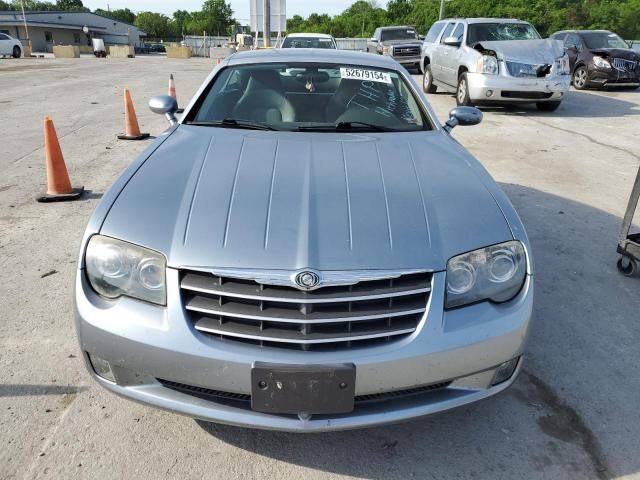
(165,105)
(452,42)
(464,117)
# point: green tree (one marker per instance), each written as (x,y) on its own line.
(180,18)
(215,18)
(124,14)
(155,25)
(71,5)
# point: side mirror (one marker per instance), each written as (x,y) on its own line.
(463,116)
(452,42)
(165,105)
(374,40)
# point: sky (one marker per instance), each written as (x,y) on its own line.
(240,7)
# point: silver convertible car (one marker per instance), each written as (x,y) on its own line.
(308,249)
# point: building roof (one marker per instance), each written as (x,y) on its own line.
(58,19)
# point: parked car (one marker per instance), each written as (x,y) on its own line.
(494,61)
(400,43)
(10,46)
(309,40)
(305,261)
(599,58)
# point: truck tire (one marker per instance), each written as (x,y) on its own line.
(427,81)
(462,92)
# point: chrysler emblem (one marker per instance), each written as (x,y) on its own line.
(307,280)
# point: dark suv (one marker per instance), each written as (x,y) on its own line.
(599,58)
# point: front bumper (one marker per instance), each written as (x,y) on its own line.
(144,343)
(598,77)
(411,61)
(506,89)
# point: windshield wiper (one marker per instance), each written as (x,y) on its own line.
(344,127)
(234,123)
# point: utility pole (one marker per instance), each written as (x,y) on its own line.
(441,9)
(267,23)
(26,29)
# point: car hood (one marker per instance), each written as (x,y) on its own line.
(537,52)
(624,53)
(210,197)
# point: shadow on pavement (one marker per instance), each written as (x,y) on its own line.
(572,409)
(38,390)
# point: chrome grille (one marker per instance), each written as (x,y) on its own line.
(527,70)
(329,318)
(624,65)
(406,51)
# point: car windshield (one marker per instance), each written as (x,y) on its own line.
(595,40)
(398,34)
(496,32)
(307,42)
(310,97)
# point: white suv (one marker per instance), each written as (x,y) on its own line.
(494,60)
(10,46)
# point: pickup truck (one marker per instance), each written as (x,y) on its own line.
(401,43)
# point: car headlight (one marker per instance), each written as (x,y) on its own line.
(487,64)
(387,50)
(563,65)
(493,273)
(116,268)
(601,62)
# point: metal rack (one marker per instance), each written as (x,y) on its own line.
(629,243)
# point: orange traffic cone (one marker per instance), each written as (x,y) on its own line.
(59,187)
(132,129)
(172,92)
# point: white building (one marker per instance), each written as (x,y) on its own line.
(47,29)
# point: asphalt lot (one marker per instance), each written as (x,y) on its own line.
(572,414)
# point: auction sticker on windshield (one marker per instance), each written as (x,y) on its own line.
(361,74)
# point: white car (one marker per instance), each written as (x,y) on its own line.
(309,40)
(10,46)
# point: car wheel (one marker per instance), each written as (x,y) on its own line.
(548,106)
(17,52)
(462,94)
(580,78)
(427,81)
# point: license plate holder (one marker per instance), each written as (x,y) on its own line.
(296,389)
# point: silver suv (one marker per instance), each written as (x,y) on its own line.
(490,60)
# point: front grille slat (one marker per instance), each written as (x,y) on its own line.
(303,335)
(202,284)
(624,65)
(330,318)
(209,306)
(406,51)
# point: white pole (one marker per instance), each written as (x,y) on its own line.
(441,9)
(26,30)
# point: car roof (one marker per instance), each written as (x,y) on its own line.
(484,20)
(397,27)
(312,55)
(309,35)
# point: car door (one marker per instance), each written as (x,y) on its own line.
(372,46)
(573,47)
(450,55)
(440,52)
(5,42)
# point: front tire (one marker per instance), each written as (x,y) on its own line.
(548,106)
(580,78)
(427,81)
(16,52)
(462,93)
